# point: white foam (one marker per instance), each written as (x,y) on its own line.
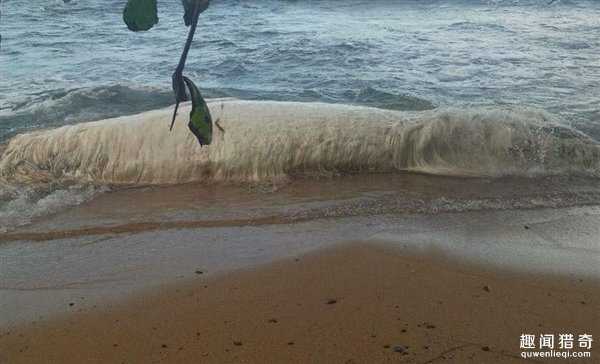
(267,140)
(23,204)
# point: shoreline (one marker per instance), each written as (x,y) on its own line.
(359,303)
(39,279)
(147,208)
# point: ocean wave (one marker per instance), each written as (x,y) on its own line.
(266,141)
(19,205)
(58,107)
(386,100)
(66,106)
(474,26)
(231,68)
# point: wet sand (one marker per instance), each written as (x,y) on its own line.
(353,303)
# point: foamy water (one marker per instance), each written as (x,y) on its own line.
(63,63)
(479,89)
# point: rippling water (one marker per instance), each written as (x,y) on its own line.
(522,79)
(61,63)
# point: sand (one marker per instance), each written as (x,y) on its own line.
(354,303)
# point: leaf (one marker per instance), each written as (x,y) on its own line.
(140,14)
(188,6)
(200,124)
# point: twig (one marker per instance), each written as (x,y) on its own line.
(446,352)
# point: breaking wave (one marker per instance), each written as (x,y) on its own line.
(272,141)
(19,205)
(59,107)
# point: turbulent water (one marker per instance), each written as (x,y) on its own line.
(472,88)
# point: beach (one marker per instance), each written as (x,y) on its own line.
(348,182)
(342,283)
(351,303)
(319,242)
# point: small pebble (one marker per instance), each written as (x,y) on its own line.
(399,349)
(237,343)
(486,288)
(485,348)
(331,302)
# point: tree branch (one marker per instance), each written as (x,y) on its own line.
(177,78)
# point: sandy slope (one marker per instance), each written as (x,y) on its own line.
(356,303)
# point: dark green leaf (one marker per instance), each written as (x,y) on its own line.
(200,120)
(140,14)
(188,6)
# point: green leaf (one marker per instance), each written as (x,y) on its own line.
(188,6)
(140,14)
(201,123)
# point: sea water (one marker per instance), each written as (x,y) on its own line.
(484,89)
